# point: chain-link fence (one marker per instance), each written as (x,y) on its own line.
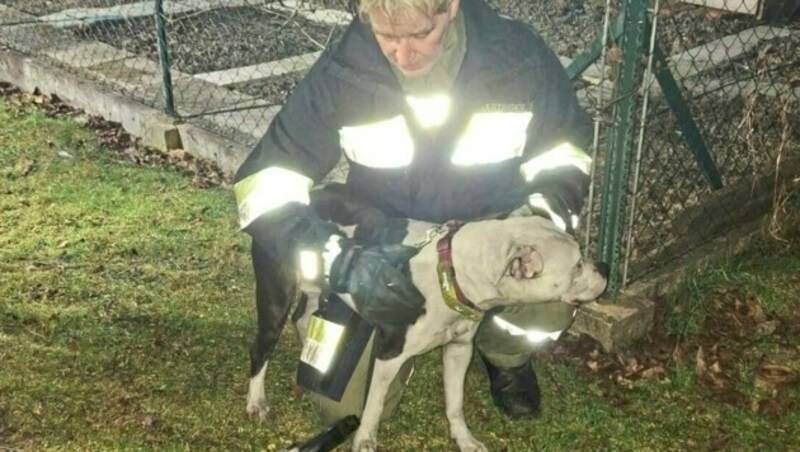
(693,120)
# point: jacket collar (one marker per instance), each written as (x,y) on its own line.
(357,56)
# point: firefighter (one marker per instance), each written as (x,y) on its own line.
(443,110)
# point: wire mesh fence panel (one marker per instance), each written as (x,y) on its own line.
(232,62)
(64,32)
(739,71)
(567,26)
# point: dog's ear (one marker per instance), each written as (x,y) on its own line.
(526,263)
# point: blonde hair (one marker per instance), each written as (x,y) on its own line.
(392,8)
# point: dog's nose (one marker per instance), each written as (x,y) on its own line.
(603,269)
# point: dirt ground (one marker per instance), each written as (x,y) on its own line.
(741,329)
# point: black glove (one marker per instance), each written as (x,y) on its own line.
(378,280)
(563,190)
(383,231)
(337,203)
(376,277)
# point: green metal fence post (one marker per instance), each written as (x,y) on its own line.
(163,58)
(620,139)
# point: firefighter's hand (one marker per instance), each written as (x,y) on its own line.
(558,194)
(553,206)
(379,282)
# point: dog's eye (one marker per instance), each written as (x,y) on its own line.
(579,266)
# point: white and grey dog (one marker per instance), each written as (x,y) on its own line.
(520,259)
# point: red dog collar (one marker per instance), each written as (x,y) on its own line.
(451,291)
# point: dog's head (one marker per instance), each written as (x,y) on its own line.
(523,260)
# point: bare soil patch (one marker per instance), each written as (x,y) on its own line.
(45,7)
(217,39)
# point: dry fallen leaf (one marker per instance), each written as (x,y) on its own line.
(297,392)
(614,55)
(700,366)
(179,155)
(756,311)
(149,421)
(772,376)
(715,14)
(622,381)
(26,167)
(720,442)
(767,328)
(653,372)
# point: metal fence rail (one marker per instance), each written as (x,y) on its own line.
(696,159)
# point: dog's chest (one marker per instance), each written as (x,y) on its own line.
(431,336)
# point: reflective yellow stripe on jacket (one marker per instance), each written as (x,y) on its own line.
(267,190)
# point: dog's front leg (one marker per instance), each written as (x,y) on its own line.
(383,373)
(457,356)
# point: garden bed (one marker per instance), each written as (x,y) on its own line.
(274,90)
(45,7)
(218,39)
(569,26)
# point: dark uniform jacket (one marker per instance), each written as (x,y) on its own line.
(507,70)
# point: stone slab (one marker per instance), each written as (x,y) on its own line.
(615,324)
(711,54)
(737,6)
(260,71)
(311,12)
(88,16)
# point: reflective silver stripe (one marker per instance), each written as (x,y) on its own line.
(269,189)
(322,341)
(310,259)
(383,144)
(332,249)
(535,336)
(309,264)
(564,154)
(492,137)
(431,111)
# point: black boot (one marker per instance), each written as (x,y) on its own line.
(515,390)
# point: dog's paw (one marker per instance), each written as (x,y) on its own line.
(257,408)
(365,445)
(470,444)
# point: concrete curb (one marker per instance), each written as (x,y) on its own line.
(152,126)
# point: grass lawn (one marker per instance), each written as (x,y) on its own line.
(126,313)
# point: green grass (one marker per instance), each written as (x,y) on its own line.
(126,314)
